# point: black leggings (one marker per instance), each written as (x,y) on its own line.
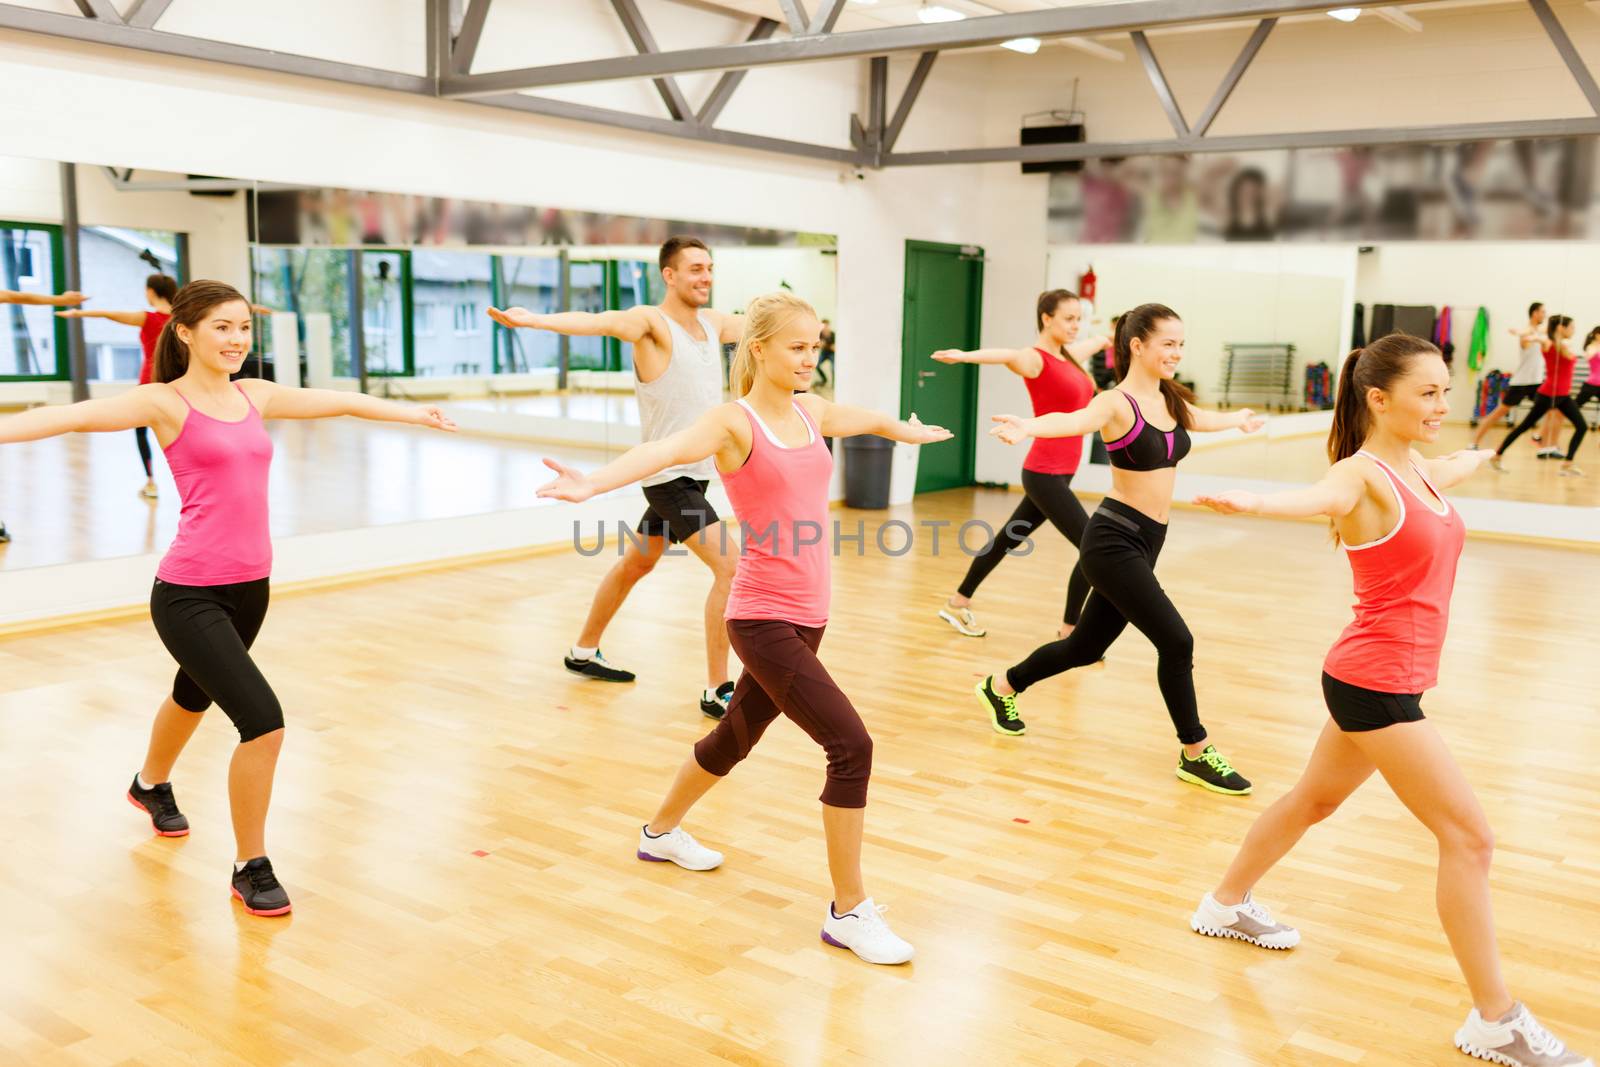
(209,630)
(141,436)
(1118,554)
(1542,404)
(1048,496)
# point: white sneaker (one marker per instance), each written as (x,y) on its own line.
(1496,465)
(1246,921)
(149,492)
(963,620)
(1516,1042)
(676,846)
(863,931)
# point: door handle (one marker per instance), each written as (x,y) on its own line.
(926,373)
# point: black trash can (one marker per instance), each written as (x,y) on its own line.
(867,462)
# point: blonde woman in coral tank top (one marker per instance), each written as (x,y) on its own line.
(776,468)
(1402,539)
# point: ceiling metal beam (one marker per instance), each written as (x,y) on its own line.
(1469,131)
(1569,54)
(723,91)
(913,89)
(644,42)
(99,9)
(1230,81)
(795,12)
(146,13)
(465,45)
(1158,81)
(827,15)
(1123,17)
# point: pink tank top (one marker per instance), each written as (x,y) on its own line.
(781,498)
(1403,582)
(1060,386)
(221,471)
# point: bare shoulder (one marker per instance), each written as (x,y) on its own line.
(814,405)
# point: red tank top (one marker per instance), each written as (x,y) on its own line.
(1060,386)
(148,333)
(1557,373)
(1403,582)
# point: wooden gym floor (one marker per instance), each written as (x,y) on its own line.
(456,819)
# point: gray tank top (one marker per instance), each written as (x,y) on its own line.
(1531,370)
(690,387)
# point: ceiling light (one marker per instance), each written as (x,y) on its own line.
(939,13)
(1026,45)
(1345,14)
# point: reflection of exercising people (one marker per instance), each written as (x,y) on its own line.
(826,359)
(1525,380)
(14,296)
(1555,393)
(677,364)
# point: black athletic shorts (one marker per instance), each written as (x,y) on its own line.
(1355,709)
(1516,394)
(678,510)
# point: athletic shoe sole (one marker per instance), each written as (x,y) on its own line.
(159,831)
(1194,779)
(1221,931)
(265,913)
(668,859)
(598,677)
(994,719)
(713,711)
(836,943)
(959,628)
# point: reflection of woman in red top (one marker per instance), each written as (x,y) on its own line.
(1555,393)
(1402,539)
(1056,381)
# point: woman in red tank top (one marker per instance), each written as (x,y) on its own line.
(1054,374)
(1403,540)
(776,469)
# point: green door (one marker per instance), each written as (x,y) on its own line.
(944,304)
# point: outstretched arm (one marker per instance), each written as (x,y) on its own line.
(843,420)
(630,325)
(281,402)
(127,318)
(126,411)
(730,328)
(1205,419)
(71,298)
(1013,429)
(709,435)
(1015,359)
(1335,496)
(1455,468)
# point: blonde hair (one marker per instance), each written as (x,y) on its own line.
(763,320)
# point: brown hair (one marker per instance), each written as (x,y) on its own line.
(164,286)
(1140,323)
(1049,300)
(1376,366)
(190,305)
(674,245)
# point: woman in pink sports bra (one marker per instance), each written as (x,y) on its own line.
(776,469)
(211,590)
(1403,540)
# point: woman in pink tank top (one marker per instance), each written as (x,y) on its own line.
(1402,539)
(211,590)
(776,468)
(1053,371)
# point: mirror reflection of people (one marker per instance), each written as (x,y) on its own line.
(1248,208)
(677,366)
(1556,394)
(1056,381)
(825,360)
(1527,377)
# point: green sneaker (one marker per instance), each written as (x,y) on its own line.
(1211,770)
(1003,715)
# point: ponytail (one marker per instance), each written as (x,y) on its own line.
(1376,366)
(1139,324)
(1351,420)
(190,305)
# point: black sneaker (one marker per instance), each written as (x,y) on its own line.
(159,803)
(259,890)
(1211,770)
(597,667)
(1003,715)
(4,535)
(716,709)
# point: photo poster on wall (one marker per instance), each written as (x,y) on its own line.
(320,217)
(1501,190)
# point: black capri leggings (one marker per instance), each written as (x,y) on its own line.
(1542,404)
(1118,554)
(209,630)
(1047,497)
(782,675)
(141,437)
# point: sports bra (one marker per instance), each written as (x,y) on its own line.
(1145,448)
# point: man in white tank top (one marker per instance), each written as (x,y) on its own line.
(1526,378)
(677,364)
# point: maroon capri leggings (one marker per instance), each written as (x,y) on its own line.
(783,675)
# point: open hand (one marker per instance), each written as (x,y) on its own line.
(72,314)
(922,434)
(432,416)
(1250,421)
(1232,502)
(569,485)
(1010,429)
(949,355)
(514,317)
(72,298)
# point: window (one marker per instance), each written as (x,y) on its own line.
(463,283)
(532,282)
(116,261)
(467,321)
(32,339)
(422,319)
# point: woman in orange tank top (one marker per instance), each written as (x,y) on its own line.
(1403,540)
